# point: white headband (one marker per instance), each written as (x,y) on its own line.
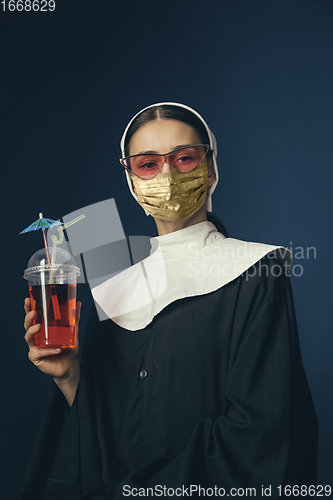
(212,144)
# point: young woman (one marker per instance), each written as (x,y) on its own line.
(193,385)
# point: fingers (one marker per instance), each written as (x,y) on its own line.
(28,324)
(29,319)
(27,305)
(30,315)
(30,335)
(35,355)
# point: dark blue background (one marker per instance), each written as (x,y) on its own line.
(259,71)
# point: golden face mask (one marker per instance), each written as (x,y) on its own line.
(173,195)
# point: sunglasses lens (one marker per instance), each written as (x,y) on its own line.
(186,159)
(145,166)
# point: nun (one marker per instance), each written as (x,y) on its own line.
(191,381)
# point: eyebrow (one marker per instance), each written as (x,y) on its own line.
(180,146)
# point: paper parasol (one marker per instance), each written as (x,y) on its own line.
(43,224)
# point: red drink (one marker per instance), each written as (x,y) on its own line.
(56,309)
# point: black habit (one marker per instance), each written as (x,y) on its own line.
(212,393)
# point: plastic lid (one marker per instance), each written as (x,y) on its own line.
(59,259)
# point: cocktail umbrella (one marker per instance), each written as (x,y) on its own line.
(43,224)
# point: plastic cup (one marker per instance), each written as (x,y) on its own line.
(52,288)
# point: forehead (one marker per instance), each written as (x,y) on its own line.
(162,136)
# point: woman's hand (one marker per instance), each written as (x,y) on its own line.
(60,363)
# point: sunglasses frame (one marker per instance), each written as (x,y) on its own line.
(207,146)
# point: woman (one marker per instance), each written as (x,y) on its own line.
(195,379)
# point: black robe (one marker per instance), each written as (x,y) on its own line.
(211,394)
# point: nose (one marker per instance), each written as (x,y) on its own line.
(166,168)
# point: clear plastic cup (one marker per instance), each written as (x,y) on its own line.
(52,287)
